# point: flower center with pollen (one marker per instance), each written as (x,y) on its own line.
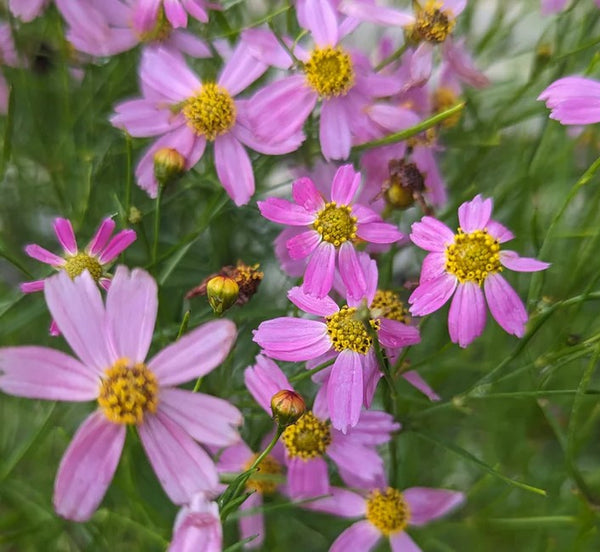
(76,264)
(347,332)
(433,24)
(387,304)
(387,510)
(336,224)
(472,257)
(329,71)
(127,392)
(211,112)
(308,438)
(263,480)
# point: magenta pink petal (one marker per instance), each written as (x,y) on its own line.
(117,245)
(511,259)
(431,234)
(466,318)
(401,542)
(32,287)
(364,214)
(145,15)
(371,376)
(253,524)
(427,504)
(263,380)
(43,255)
(320,19)
(195,354)
(413,377)
(66,236)
(345,390)
(142,118)
(341,502)
(305,194)
(285,212)
(87,467)
(101,237)
(77,308)
(434,265)
(188,43)
(131,306)
(359,465)
(432,294)
(209,420)
(307,478)
(302,245)
(198,527)
(233,458)
(505,305)
(334,129)
(175,13)
(475,214)
(374,428)
(43,373)
(264,45)
(182,467)
(323,306)
(351,271)
(379,232)
(362,536)
(499,232)
(345,185)
(318,277)
(234,168)
(241,70)
(395,334)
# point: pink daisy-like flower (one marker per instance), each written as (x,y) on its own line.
(311,439)
(333,228)
(111,343)
(198,527)
(385,513)
(465,263)
(147,12)
(189,113)
(573,100)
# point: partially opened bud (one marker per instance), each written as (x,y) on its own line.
(169,165)
(222,292)
(287,407)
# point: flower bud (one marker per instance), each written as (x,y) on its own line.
(287,407)
(222,292)
(169,165)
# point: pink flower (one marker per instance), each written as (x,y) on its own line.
(552,6)
(27,10)
(111,342)
(385,513)
(333,227)
(464,263)
(198,527)
(311,439)
(188,113)
(573,100)
(148,12)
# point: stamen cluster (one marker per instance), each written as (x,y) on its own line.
(473,256)
(211,112)
(263,481)
(387,304)
(433,24)
(346,331)
(336,224)
(329,71)
(308,438)
(76,264)
(387,510)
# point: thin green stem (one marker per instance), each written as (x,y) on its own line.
(156,226)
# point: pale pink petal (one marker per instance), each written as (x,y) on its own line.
(209,420)
(364,214)
(351,271)
(263,380)
(233,458)
(505,305)
(421,65)
(142,118)
(345,390)
(198,527)
(175,13)
(145,15)
(345,185)
(366,10)
(66,236)
(462,65)
(455,7)
(43,255)
(334,130)
(359,465)
(431,234)
(234,169)
(401,542)
(499,232)
(101,237)
(307,478)
(252,525)
(341,502)
(42,373)
(318,278)
(393,118)
(319,17)
(419,383)
(26,10)
(434,265)
(117,245)
(475,214)
(241,70)
(305,193)
(362,536)
(32,287)
(466,318)
(395,334)
(511,259)
(323,306)
(189,44)
(87,467)
(371,376)
(182,467)
(432,294)
(264,45)
(302,245)
(375,427)
(285,212)
(76,306)
(379,232)
(427,504)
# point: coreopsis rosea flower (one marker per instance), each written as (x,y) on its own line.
(573,100)
(198,527)
(332,228)
(189,114)
(468,265)
(385,513)
(111,343)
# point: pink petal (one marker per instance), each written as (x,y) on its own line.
(43,373)
(362,536)
(466,318)
(209,420)
(431,234)
(434,265)
(142,118)
(305,193)
(43,255)
(419,383)
(145,15)
(432,294)
(427,504)
(393,118)
(285,212)
(253,524)
(320,19)
(351,271)
(66,236)
(367,11)
(334,130)
(499,232)
(198,527)
(375,427)
(341,502)
(76,306)
(359,465)
(117,245)
(318,278)
(175,13)
(307,478)
(511,259)
(345,185)
(241,70)
(188,43)
(263,380)
(475,214)
(505,305)
(87,467)
(182,467)
(195,354)
(345,390)
(371,376)
(395,334)
(32,287)
(234,169)
(379,232)
(421,65)
(264,45)
(101,237)
(302,245)
(233,458)
(401,542)
(323,306)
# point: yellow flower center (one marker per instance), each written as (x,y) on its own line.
(161,31)
(329,71)
(76,264)
(445,98)
(433,24)
(336,224)
(211,112)
(264,480)
(472,257)
(387,510)
(387,304)
(308,438)
(127,392)
(346,331)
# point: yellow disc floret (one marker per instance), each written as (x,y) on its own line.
(329,71)
(445,98)
(387,510)
(433,24)
(211,112)
(76,264)
(387,304)
(264,480)
(127,392)
(308,438)
(473,256)
(336,224)
(346,331)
